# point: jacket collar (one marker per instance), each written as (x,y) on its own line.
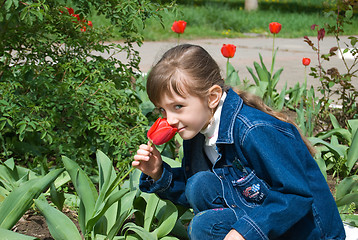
(232,106)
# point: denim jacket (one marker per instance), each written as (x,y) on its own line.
(268,176)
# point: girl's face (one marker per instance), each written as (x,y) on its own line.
(189,113)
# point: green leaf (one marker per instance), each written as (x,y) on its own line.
(60,226)
(352,156)
(10,235)
(346,186)
(334,121)
(8,4)
(167,214)
(20,199)
(85,190)
(103,208)
(262,74)
(257,82)
(144,234)
(276,77)
(150,211)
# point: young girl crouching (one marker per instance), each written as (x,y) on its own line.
(247,172)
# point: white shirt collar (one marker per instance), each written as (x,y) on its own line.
(212,130)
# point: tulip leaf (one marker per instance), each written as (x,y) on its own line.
(352,156)
(150,210)
(103,208)
(262,74)
(10,235)
(143,234)
(346,186)
(21,198)
(60,226)
(167,214)
(257,82)
(84,188)
(276,77)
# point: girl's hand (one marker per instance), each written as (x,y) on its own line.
(149,161)
(234,235)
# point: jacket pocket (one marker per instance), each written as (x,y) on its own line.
(252,189)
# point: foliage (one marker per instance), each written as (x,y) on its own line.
(347,199)
(266,83)
(334,83)
(102,215)
(340,154)
(20,199)
(59,95)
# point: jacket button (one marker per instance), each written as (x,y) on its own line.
(221,177)
(233,206)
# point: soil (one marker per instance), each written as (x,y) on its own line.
(34,224)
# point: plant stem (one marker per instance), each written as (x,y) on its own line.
(227,68)
(273,53)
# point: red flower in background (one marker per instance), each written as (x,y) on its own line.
(70,10)
(82,23)
(179,26)
(306,61)
(275,27)
(228,50)
(161,132)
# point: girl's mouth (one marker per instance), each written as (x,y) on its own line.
(181,129)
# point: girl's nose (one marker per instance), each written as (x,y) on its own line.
(172,120)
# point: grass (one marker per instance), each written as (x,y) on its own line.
(227,18)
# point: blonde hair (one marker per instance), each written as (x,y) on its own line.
(190,69)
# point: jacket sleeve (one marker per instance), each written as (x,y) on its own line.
(170,186)
(277,158)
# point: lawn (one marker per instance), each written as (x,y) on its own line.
(227,18)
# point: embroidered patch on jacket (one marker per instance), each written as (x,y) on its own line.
(252,191)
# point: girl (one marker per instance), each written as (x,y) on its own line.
(246,172)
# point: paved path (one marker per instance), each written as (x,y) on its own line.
(289,56)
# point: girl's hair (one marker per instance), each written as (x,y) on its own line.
(190,69)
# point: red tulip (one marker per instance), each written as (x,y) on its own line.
(179,26)
(275,27)
(161,132)
(90,23)
(306,61)
(228,50)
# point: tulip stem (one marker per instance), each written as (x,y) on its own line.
(273,54)
(120,180)
(227,69)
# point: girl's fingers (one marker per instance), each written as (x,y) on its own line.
(141,157)
(135,163)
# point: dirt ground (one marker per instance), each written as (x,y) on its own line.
(34,224)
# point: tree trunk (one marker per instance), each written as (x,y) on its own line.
(251,5)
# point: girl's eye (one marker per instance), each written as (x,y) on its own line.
(177,107)
(161,110)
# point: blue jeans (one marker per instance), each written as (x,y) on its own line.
(213,219)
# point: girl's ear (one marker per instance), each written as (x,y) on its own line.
(214,96)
